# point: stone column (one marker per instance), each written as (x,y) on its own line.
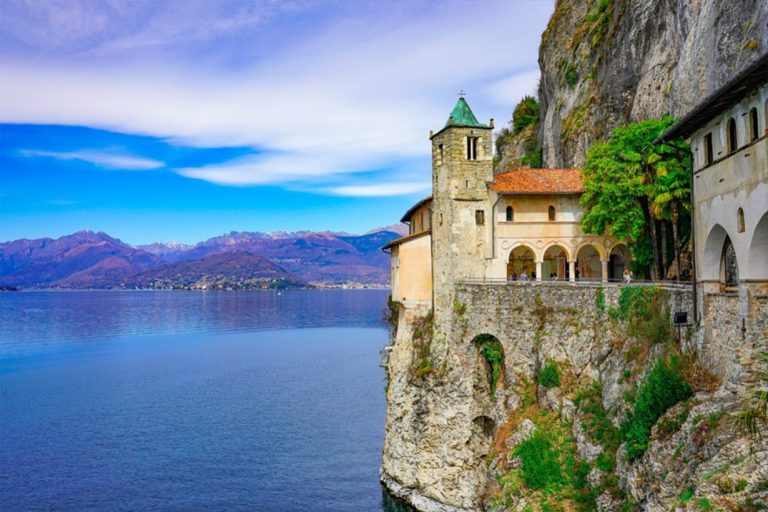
(604,270)
(572,271)
(538,270)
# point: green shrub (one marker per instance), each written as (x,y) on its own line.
(390,315)
(598,425)
(643,308)
(493,353)
(661,389)
(571,75)
(533,157)
(459,308)
(526,113)
(540,461)
(687,494)
(600,299)
(549,376)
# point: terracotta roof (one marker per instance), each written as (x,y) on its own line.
(398,241)
(412,209)
(527,181)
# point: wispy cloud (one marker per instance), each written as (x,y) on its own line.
(359,91)
(378,190)
(108,159)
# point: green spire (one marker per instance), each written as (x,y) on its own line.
(462,115)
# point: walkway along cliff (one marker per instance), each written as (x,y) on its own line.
(525,375)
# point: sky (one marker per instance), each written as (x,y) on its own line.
(165,120)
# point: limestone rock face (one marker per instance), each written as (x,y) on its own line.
(605,64)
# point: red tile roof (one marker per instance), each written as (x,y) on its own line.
(539,181)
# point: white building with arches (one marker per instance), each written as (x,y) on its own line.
(728,133)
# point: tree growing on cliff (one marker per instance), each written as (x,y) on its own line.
(518,144)
(636,188)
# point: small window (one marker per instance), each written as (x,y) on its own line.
(479,217)
(708,151)
(551,213)
(440,155)
(740,220)
(471,148)
(733,142)
(510,214)
(754,129)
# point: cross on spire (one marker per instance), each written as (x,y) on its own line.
(462,93)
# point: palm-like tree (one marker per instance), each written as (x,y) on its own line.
(671,193)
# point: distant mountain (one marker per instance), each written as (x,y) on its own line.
(166,251)
(399,228)
(96,260)
(231,270)
(82,260)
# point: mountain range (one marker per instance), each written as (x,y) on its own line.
(88,259)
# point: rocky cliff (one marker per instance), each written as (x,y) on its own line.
(544,398)
(605,63)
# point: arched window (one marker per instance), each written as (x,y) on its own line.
(510,214)
(551,213)
(740,220)
(754,129)
(729,268)
(733,142)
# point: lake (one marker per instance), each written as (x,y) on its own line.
(259,401)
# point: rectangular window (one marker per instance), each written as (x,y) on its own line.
(708,151)
(480,217)
(440,154)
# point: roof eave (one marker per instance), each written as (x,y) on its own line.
(406,238)
(479,127)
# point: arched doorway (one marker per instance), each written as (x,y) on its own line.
(555,266)
(758,251)
(617,262)
(491,353)
(588,266)
(521,259)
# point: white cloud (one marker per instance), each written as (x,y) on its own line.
(378,190)
(108,159)
(510,89)
(360,94)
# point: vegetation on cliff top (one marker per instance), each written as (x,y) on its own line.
(638,190)
(517,144)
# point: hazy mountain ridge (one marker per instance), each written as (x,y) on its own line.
(87,259)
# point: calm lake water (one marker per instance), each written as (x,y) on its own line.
(191,401)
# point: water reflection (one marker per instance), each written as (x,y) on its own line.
(29,318)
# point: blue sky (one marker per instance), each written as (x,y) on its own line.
(161,120)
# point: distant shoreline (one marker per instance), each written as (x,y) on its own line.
(318,288)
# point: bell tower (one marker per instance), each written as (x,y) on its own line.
(462,167)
